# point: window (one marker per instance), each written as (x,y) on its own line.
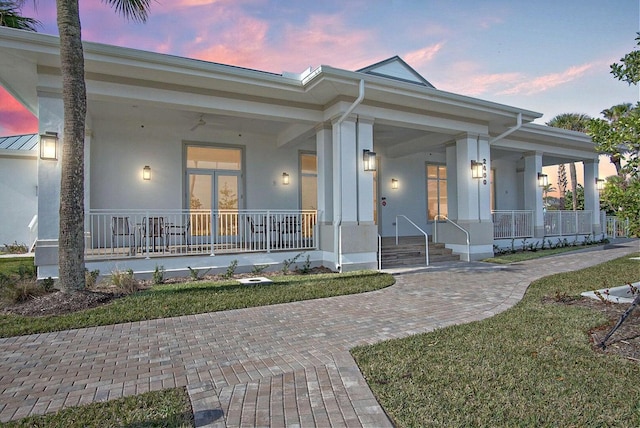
(308,181)
(436,191)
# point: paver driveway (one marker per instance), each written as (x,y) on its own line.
(281,365)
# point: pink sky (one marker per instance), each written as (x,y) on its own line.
(547,56)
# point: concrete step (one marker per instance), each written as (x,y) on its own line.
(410,251)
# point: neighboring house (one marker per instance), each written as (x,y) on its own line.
(18,188)
(198,164)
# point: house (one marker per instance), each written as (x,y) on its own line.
(18,189)
(197,164)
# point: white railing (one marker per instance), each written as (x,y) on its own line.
(33,232)
(616,228)
(512,224)
(448,220)
(146,233)
(558,223)
(426,237)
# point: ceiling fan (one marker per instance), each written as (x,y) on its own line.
(201,122)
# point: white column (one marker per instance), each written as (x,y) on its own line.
(50,119)
(345,202)
(591,194)
(365,178)
(532,192)
(466,187)
(324,153)
(452,181)
(484,185)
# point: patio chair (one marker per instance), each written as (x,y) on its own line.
(153,228)
(120,227)
(174,229)
(289,231)
(257,231)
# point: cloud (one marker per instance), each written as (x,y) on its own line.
(16,119)
(548,81)
(421,57)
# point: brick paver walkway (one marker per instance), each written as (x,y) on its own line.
(281,365)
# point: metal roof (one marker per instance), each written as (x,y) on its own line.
(19,142)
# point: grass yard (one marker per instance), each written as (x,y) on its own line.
(163,301)
(170,408)
(521,256)
(532,365)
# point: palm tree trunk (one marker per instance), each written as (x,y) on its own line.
(71,238)
(574,185)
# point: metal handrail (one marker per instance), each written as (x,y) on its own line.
(379,252)
(426,237)
(444,217)
(33,232)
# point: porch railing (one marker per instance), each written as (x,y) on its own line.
(557,223)
(512,224)
(519,224)
(146,233)
(616,228)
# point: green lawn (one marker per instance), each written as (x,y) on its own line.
(532,365)
(170,408)
(163,301)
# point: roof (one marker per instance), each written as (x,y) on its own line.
(23,143)
(395,68)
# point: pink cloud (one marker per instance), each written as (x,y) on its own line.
(421,57)
(548,81)
(16,119)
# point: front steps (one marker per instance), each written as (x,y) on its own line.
(410,251)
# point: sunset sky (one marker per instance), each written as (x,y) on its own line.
(547,56)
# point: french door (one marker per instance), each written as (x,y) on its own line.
(214,191)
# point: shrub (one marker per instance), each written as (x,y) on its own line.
(258,269)
(23,290)
(16,248)
(125,281)
(158,275)
(231,269)
(91,277)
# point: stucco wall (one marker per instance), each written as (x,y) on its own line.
(506,184)
(410,199)
(18,196)
(118,155)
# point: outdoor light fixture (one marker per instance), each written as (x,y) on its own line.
(599,184)
(369,160)
(394,183)
(146,172)
(477,169)
(543,180)
(49,146)
(285,178)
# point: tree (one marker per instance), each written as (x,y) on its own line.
(621,197)
(628,70)
(576,203)
(562,182)
(10,16)
(573,122)
(613,115)
(74,97)
(546,189)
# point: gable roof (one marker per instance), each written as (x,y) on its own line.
(395,68)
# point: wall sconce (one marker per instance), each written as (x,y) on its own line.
(543,180)
(49,146)
(146,172)
(285,178)
(369,160)
(599,184)
(477,169)
(394,183)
